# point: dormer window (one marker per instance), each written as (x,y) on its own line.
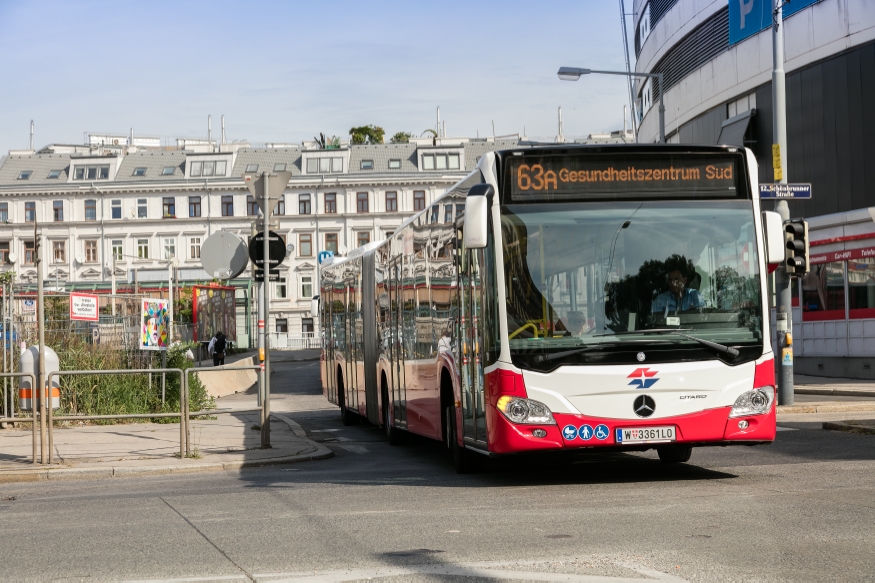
(252,167)
(53,174)
(91,172)
(279,167)
(394,164)
(367,164)
(168,171)
(332,165)
(440,162)
(141,171)
(25,174)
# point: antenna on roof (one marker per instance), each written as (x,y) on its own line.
(560,139)
(223,129)
(438,128)
(31,135)
(210,131)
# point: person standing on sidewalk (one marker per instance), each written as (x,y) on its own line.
(217,348)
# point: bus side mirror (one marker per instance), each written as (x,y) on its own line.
(476,215)
(314,307)
(773,235)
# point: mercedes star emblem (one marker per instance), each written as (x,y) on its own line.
(644,406)
(640,357)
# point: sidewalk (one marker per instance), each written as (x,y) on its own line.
(104,451)
(811,385)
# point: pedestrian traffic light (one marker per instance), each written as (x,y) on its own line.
(796,252)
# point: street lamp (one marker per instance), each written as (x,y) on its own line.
(574,73)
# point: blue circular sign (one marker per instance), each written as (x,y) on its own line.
(585,432)
(569,432)
(601,432)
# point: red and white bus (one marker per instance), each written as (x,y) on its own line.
(564,298)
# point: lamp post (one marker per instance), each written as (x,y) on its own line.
(574,73)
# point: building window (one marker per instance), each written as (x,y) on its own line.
(116,209)
(435,214)
(418,200)
(141,171)
(209,168)
(197,169)
(29,212)
(58,211)
(4,252)
(324,165)
(252,167)
(54,174)
(195,248)
(741,105)
(143,248)
(142,208)
(280,290)
(100,172)
(59,251)
(221,167)
(228,206)
(362,238)
(28,252)
(367,164)
(25,174)
(280,206)
(194,206)
(4,212)
(282,325)
(330,203)
(361,201)
(304,204)
(169,247)
(117,249)
(169,206)
(305,245)
(394,164)
(331,242)
(168,171)
(306,286)
(823,292)
(251,206)
(307,325)
(91,251)
(279,167)
(391,202)
(861,287)
(448,213)
(440,162)
(90,210)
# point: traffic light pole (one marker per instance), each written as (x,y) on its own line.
(264,339)
(784,307)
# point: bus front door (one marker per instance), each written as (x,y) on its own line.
(396,351)
(471,367)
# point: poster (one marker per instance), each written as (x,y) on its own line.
(215,310)
(84,307)
(155,321)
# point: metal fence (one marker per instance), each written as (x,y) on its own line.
(285,341)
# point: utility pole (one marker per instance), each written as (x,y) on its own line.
(784,309)
(41,330)
(263,307)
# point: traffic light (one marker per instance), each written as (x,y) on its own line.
(796,252)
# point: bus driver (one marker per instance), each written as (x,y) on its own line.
(679,297)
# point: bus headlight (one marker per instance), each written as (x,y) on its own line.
(755,402)
(519,410)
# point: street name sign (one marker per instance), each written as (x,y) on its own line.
(798,190)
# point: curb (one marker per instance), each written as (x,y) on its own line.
(319,452)
(827,407)
(848,428)
(836,392)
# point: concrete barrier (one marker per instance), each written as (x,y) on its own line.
(228,382)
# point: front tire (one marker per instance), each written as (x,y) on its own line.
(347,417)
(466,462)
(674,454)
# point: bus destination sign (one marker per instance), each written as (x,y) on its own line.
(644,175)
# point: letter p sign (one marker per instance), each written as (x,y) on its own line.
(744,8)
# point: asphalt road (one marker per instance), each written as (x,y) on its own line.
(800,509)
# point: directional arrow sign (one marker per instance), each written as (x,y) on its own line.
(276,183)
(276,248)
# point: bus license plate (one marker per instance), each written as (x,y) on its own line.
(645,434)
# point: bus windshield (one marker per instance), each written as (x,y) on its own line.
(589,274)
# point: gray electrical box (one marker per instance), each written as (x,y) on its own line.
(27,397)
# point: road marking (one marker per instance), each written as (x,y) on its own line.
(324,430)
(355,448)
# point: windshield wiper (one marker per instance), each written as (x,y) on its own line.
(539,358)
(722,348)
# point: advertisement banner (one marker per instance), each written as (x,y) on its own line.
(748,17)
(214,310)
(84,307)
(155,321)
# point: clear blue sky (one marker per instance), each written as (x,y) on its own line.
(285,71)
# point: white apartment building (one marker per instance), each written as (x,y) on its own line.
(141,204)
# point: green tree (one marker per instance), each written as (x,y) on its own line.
(401,138)
(369,134)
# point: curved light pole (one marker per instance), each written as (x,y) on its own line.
(574,73)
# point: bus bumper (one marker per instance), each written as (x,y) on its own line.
(709,427)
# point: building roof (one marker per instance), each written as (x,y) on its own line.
(154,163)
(39,164)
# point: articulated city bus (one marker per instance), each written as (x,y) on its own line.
(565,298)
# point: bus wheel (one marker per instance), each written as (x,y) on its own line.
(466,462)
(674,454)
(393,434)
